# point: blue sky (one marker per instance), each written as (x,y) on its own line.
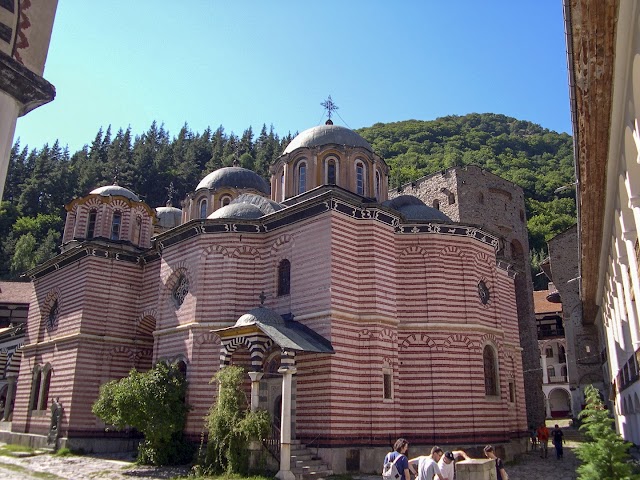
(240,63)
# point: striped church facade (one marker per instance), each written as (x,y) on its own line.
(418,318)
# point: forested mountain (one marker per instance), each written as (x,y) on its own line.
(42,180)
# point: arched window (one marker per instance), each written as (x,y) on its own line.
(137,228)
(359,179)
(331,172)
(44,394)
(224,201)
(563,372)
(91,226)
(377,185)
(302,178)
(116,223)
(35,388)
(203,208)
(436,204)
(180,290)
(490,371)
(551,372)
(284,277)
(452,198)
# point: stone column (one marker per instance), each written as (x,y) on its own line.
(285,472)
(11,393)
(547,406)
(255,389)
(629,239)
(545,375)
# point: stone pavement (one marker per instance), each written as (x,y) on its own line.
(528,467)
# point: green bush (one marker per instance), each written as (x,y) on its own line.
(231,426)
(605,454)
(153,403)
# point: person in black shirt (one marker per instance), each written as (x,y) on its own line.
(557,438)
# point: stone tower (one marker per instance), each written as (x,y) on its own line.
(474,196)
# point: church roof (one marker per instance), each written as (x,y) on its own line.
(16,292)
(245,211)
(234,177)
(115,190)
(287,334)
(412,208)
(327,135)
(168,217)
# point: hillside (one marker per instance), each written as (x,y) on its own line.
(155,165)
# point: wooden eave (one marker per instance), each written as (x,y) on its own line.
(591,36)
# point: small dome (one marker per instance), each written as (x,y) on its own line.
(326,135)
(264,204)
(263,315)
(245,211)
(115,190)
(412,208)
(234,177)
(169,217)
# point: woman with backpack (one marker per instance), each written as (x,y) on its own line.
(396,464)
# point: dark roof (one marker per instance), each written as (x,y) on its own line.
(285,333)
(234,177)
(412,208)
(16,292)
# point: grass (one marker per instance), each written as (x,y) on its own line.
(65,452)
(7,450)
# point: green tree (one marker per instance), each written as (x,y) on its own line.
(605,454)
(154,404)
(231,426)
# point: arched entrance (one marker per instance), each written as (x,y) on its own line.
(559,403)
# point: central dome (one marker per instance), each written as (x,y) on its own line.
(326,135)
(234,177)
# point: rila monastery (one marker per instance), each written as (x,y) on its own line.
(360,312)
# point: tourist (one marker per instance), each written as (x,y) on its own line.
(543,438)
(558,438)
(501,473)
(447,463)
(534,437)
(400,449)
(428,468)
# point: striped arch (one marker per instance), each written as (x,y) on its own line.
(491,339)
(4,359)
(281,241)
(146,322)
(414,250)
(230,346)
(458,340)
(419,339)
(210,338)
(451,251)
(387,334)
(172,280)
(215,249)
(142,358)
(245,251)
(169,274)
(122,351)
(366,334)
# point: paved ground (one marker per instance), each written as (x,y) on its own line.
(529,467)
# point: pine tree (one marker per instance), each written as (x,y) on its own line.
(605,454)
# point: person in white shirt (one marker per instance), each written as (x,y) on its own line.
(428,468)
(447,463)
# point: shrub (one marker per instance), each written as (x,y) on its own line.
(154,404)
(231,426)
(605,454)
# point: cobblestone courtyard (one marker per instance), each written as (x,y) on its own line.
(529,467)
